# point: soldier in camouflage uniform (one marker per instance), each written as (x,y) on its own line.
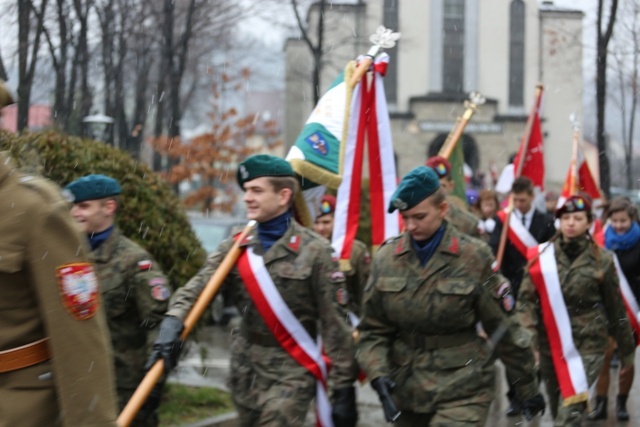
(268,386)
(457,214)
(360,260)
(428,289)
(591,293)
(134,289)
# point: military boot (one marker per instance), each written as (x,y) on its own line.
(621,407)
(600,411)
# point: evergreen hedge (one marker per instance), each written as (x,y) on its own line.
(150,214)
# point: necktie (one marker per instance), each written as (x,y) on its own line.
(524,221)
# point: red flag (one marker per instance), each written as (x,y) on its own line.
(579,179)
(533,166)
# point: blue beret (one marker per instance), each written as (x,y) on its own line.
(93,187)
(261,165)
(416,186)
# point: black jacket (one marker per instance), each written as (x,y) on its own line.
(513,263)
(630,264)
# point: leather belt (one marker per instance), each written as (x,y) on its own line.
(24,356)
(434,342)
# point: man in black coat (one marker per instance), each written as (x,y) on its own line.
(533,227)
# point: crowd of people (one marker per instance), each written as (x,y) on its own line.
(86,311)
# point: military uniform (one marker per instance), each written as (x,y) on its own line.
(134,289)
(267,385)
(66,379)
(357,276)
(136,296)
(463,220)
(595,311)
(419,329)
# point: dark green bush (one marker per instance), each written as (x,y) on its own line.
(151,213)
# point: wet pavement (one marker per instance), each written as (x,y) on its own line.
(206,363)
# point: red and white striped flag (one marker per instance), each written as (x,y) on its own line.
(579,179)
(369,124)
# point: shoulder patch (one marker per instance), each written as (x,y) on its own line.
(78,287)
(144,265)
(507,301)
(160,292)
(342,296)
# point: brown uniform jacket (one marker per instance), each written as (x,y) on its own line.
(76,386)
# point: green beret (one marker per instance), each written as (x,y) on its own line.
(262,165)
(93,187)
(416,186)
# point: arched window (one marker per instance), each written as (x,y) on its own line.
(516,53)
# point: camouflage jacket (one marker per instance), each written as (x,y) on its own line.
(419,324)
(135,294)
(463,220)
(357,275)
(595,306)
(301,266)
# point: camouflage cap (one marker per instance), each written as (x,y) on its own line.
(574,204)
(440,165)
(93,187)
(416,186)
(262,165)
(5,95)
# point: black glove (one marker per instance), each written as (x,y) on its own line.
(344,409)
(531,407)
(384,386)
(168,344)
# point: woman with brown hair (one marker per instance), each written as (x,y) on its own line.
(486,208)
(570,301)
(622,236)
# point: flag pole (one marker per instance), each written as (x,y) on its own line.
(204,300)
(524,145)
(573,180)
(471,106)
(383,38)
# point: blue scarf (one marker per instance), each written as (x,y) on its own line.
(622,242)
(270,231)
(96,239)
(426,249)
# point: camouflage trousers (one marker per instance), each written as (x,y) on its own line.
(467,415)
(570,415)
(268,387)
(123,397)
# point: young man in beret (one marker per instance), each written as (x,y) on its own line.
(457,214)
(55,365)
(286,285)
(134,290)
(358,274)
(428,289)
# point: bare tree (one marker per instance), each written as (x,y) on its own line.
(315,49)
(603,38)
(29,35)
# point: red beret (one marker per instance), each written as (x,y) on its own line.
(440,165)
(327,205)
(574,204)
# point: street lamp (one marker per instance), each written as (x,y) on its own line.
(97,126)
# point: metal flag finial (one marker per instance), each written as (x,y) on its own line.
(575,123)
(383,38)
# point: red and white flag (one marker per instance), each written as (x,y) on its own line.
(369,123)
(567,361)
(517,233)
(579,179)
(286,328)
(629,300)
(533,156)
